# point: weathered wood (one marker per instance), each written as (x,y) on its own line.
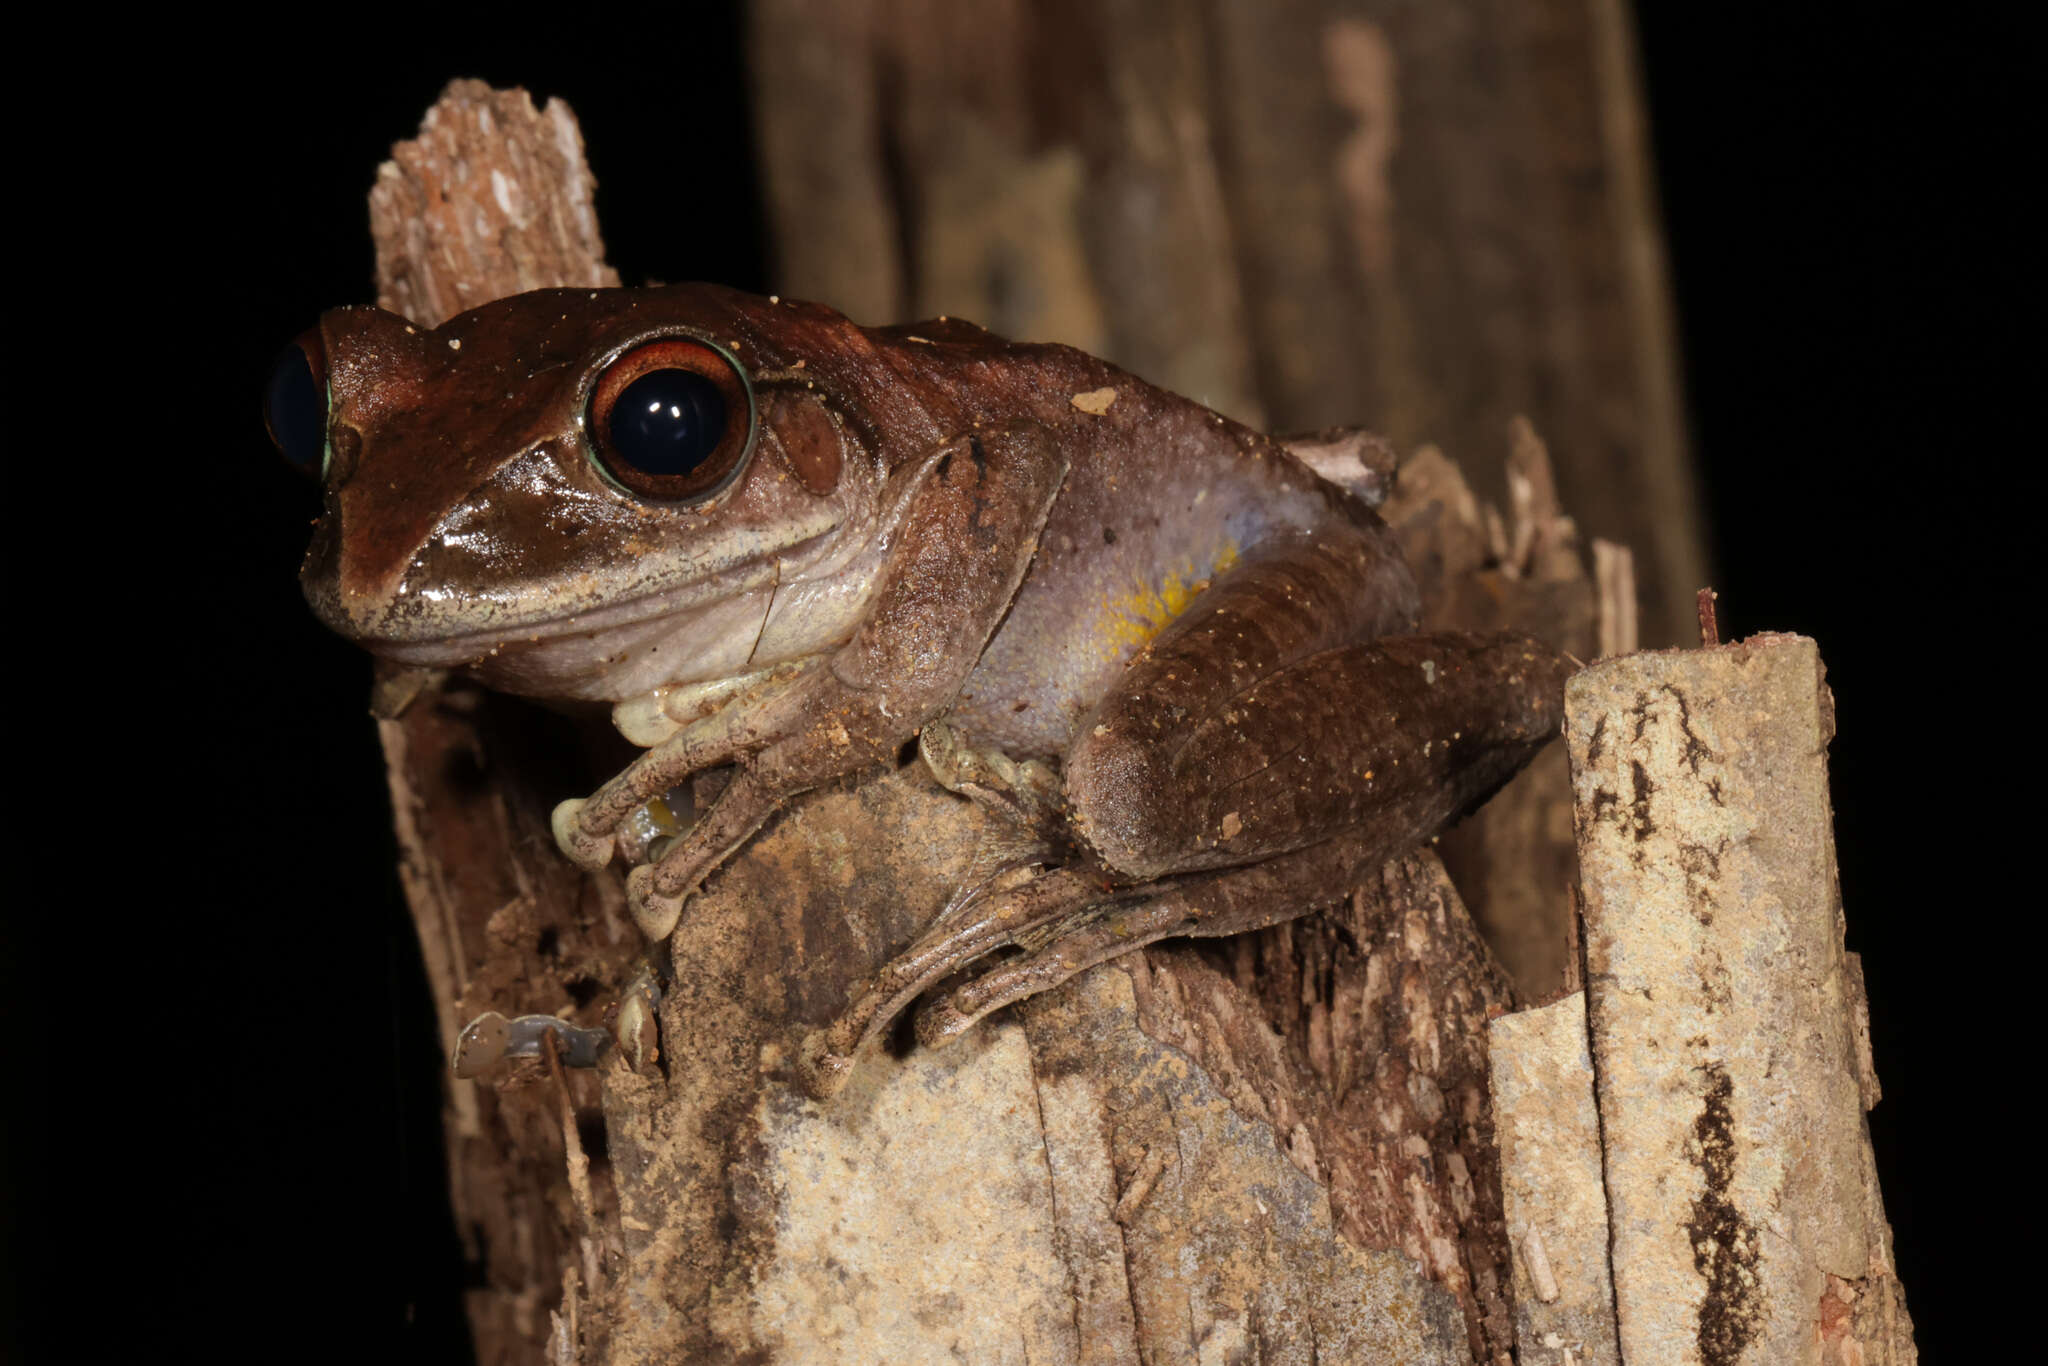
(1133,1168)
(1551,1185)
(1745,1218)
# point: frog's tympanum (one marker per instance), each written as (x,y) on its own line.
(781,543)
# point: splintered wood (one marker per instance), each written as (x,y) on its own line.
(1549,1132)
(1743,1217)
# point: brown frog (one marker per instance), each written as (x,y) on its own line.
(777,541)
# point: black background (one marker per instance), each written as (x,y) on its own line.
(1844,309)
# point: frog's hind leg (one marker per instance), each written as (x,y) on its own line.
(974,931)
(1399,736)
(1299,785)
(1250,763)
(1230,902)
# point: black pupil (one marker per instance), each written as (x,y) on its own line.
(297,410)
(668,422)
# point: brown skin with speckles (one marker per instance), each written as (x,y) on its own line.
(1211,644)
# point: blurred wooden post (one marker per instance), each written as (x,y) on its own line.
(1423,218)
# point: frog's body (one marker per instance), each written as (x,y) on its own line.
(1160,495)
(1056,559)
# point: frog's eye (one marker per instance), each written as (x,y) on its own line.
(672,420)
(295,404)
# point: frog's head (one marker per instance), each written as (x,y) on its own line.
(585,493)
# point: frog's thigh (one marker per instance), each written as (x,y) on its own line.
(1398,736)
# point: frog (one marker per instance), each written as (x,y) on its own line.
(1182,656)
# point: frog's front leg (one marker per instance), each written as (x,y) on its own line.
(965,542)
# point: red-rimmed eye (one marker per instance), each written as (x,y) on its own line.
(295,403)
(671,420)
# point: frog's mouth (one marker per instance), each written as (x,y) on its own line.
(429,616)
(416,628)
(713,622)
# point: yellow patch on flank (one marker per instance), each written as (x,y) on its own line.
(1130,619)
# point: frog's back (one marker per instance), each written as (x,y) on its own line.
(1162,495)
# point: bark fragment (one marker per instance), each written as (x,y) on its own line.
(1556,1206)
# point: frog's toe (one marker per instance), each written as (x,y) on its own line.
(822,1068)
(587,851)
(942,1021)
(1026,793)
(655,912)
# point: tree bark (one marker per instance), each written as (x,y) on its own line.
(1728,1025)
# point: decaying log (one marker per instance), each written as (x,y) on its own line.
(1278,1147)
(1307,1144)
(1686,1172)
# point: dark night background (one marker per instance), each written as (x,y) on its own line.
(1843,307)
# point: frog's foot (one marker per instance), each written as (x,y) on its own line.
(1069,920)
(1054,954)
(1026,793)
(978,928)
(589,830)
(655,892)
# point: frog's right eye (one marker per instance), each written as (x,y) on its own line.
(672,420)
(295,404)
